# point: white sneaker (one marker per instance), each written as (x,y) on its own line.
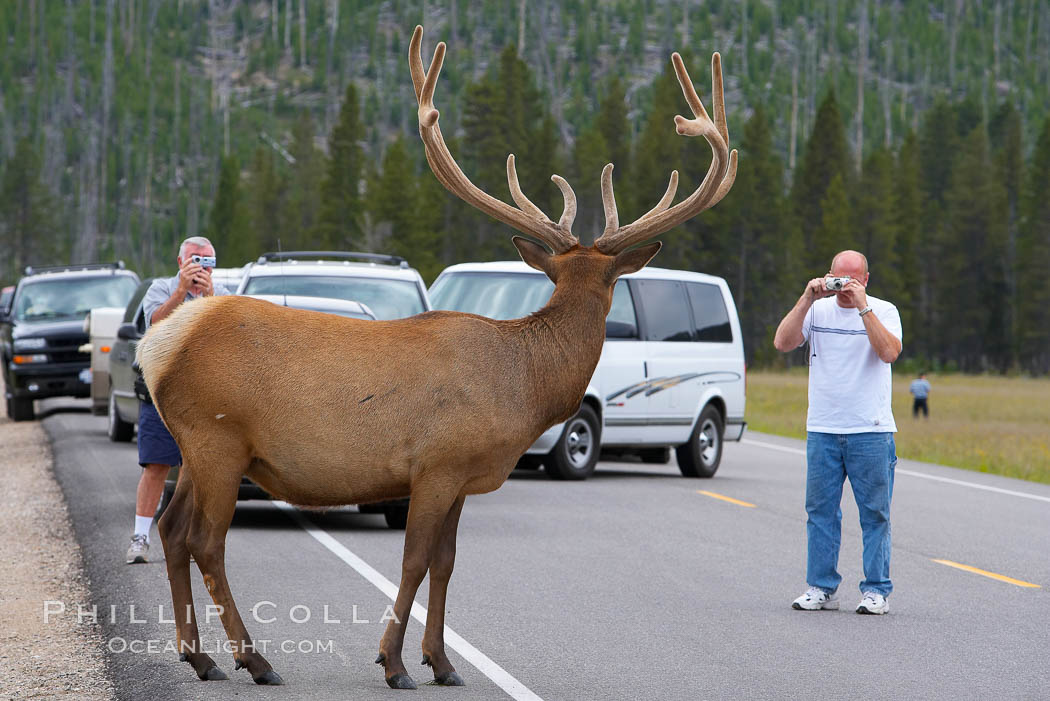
(873,603)
(815,599)
(138,549)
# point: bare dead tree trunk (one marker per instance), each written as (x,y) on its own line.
(521,28)
(887,100)
(862,63)
(288,28)
(176,127)
(745,48)
(147,195)
(1028,32)
(953,36)
(453,18)
(107,98)
(302,33)
(192,179)
(274,19)
(995,40)
(793,140)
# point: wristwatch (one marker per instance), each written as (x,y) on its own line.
(865,310)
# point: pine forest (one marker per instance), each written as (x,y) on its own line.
(915,131)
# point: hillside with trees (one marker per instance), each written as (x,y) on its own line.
(914,131)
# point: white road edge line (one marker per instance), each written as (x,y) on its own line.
(501,677)
(912,473)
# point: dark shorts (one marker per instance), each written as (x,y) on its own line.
(156,446)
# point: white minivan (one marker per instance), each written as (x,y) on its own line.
(671,373)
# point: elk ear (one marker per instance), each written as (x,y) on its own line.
(534,254)
(633,260)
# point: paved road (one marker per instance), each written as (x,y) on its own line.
(631,585)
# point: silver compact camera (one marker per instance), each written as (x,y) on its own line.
(209,261)
(835,284)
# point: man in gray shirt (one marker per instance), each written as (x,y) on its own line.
(920,388)
(157,449)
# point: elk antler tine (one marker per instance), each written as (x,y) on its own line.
(612,219)
(520,199)
(415,60)
(428,115)
(568,214)
(665,201)
(727,181)
(717,98)
(687,87)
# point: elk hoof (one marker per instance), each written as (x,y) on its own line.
(269,678)
(212,674)
(450,679)
(400,681)
(426,661)
(381,659)
(237,664)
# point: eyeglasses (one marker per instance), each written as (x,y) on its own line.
(204,261)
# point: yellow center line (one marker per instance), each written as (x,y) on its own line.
(731,500)
(986,573)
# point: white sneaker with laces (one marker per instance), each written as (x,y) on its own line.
(138,550)
(873,603)
(815,599)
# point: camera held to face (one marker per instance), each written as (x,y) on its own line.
(835,284)
(203,261)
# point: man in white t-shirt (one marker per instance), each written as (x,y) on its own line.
(852,338)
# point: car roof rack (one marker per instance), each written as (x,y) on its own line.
(334,255)
(36,269)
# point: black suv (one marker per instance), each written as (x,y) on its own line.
(42,330)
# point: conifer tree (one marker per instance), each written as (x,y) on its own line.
(227,223)
(393,202)
(264,197)
(874,227)
(28,224)
(1033,262)
(907,221)
(304,189)
(826,156)
(835,232)
(341,209)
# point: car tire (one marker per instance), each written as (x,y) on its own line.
(119,430)
(529,462)
(396,516)
(701,456)
(575,454)
(20,409)
(655,456)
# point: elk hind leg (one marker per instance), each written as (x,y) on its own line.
(174,527)
(428,508)
(441,564)
(214,505)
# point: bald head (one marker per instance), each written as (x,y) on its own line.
(850,263)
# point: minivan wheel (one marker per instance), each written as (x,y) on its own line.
(701,456)
(20,409)
(576,452)
(119,430)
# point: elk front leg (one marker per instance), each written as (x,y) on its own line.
(174,527)
(441,565)
(428,508)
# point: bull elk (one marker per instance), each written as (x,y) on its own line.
(322,411)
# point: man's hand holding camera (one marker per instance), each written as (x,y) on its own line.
(196,278)
(854,292)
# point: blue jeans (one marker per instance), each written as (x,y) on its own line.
(868,459)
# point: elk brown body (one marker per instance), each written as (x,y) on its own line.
(322,410)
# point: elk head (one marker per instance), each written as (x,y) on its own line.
(612,255)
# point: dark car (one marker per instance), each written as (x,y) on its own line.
(42,330)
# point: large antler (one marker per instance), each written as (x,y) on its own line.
(716,184)
(529,219)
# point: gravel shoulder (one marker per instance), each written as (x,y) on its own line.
(51,656)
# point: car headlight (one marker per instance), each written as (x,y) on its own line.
(24,344)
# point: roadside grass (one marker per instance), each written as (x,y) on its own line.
(999,425)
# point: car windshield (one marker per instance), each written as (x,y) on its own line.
(388,299)
(495,295)
(71,297)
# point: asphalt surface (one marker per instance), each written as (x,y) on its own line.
(630,585)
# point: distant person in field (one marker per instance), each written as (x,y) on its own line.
(157,449)
(920,389)
(852,338)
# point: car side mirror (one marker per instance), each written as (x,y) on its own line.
(620,329)
(4,316)
(128,332)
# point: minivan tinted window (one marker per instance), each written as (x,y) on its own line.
(495,295)
(666,310)
(709,313)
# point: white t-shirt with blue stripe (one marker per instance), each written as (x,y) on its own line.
(850,387)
